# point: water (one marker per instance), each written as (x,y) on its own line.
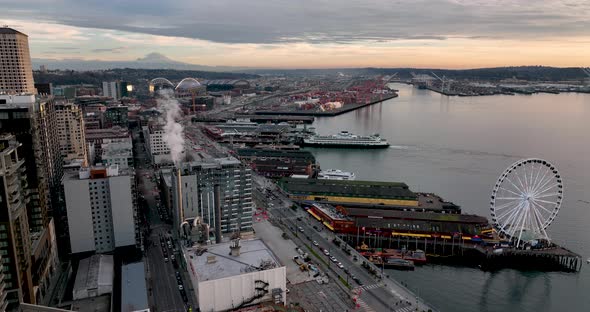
(457,147)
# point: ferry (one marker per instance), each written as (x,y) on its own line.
(346,139)
(335,174)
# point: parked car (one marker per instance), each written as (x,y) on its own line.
(326,252)
(315,243)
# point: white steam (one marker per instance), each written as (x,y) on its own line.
(172,130)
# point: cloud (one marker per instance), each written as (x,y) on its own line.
(339,21)
(109,50)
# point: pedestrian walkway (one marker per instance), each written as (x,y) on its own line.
(364,306)
(369,287)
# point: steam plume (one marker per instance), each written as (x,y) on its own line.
(172,130)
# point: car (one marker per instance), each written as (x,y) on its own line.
(334,260)
(165,259)
(315,243)
(173,257)
(298,218)
(301,230)
(326,252)
(346,271)
(180,287)
(177,274)
(340,265)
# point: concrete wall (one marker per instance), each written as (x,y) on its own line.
(79,214)
(122,210)
(227,293)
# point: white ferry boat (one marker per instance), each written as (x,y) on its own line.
(336,174)
(346,139)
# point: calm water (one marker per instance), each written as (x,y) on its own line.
(457,147)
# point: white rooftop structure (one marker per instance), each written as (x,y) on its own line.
(228,277)
(94,277)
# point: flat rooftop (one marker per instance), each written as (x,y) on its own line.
(273,153)
(331,211)
(216,262)
(133,287)
(365,189)
(94,304)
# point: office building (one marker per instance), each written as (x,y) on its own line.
(32,121)
(116,116)
(96,137)
(197,185)
(115,152)
(156,143)
(15,240)
(71,132)
(16,73)
(101,208)
(111,89)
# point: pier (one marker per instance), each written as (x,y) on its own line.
(332,113)
(464,252)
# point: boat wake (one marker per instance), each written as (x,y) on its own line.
(399,147)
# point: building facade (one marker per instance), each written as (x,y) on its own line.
(156,143)
(111,89)
(102,210)
(16,74)
(15,240)
(119,153)
(116,116)
(71,132)
(197,184)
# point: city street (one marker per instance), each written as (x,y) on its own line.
(374,295)
(163,288)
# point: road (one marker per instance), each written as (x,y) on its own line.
(163,290)
(375,295)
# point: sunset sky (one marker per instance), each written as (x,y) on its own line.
(310,34)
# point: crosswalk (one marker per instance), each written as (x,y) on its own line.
(369,287)
(364,306)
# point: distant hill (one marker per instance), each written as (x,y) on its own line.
(96,77)
(150,61)
(531,73)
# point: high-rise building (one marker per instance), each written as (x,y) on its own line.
(111,89)
(197,184)
(71,132)
(15,240)
(118,153)
(102,210)
(3,299)
(16,73)
(32,121)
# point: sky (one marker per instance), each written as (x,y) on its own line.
(310,33)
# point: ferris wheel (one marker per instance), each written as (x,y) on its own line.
(526,199)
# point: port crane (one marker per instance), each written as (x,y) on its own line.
(444,82)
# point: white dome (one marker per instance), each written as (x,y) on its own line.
(188,84)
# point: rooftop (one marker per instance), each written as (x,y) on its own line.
(10,31)
(250,152)
(216,263)
(133,287)
(355,188)
(95,271)
(94,304)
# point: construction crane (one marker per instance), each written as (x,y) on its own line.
(444,82)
